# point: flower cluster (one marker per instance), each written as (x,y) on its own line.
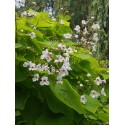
(86,35)
(61,67)
(29,14)
(93,93)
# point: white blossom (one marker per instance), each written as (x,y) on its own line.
(83,99)
(76,36)
(44,81)
(32,66)
(95,37)
(66,54)
(88,75)
(81,85)
(95,26)
(46,55)
(35,77)
(103,92)
(62,47)
(61,21)
(84,22)
(21,30)
(69,50)
(25,64)
(24,13)
(94,94)
(104,81)
(59,59)
(98,81)
(31,14)
(94,48)
(34,3)
(63,71)
(92,17)
(83,39)
(77,28)
(85,31)
(68,36)
(32,35)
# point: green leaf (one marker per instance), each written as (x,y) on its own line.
(103,116)
(65,93)
(56,105)
(17,113)
(50,118)
(20,98)
(18,45)
(92,104)
(21,73)
(32,109)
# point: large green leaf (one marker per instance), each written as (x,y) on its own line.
(20,98)
(21,73)
(87,63)
(103,116)
(56,105)
(65,93)
(92,104)
(50,118)
(32,110)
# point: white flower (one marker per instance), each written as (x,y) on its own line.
(31,14)
(95,37)
(61,22)
(35,77)
(83,99)
(32,66)
(34,3)
(46,55)
(32,35)
(83,39)
(25,64)
(94,94)
(59,58)
(59,79)
(54,19)
(84,22)
(98,81)
(94,48)
(66,54)
(24,13)
(66,64)
(68,36)
(44,81)
(69,50)
(87,80)
(45,66)
(53,69)
(95,26)
(61,46)
(81,85)
(88,75)
(21,30)
(92,17)
(85,31)
(103,92)
(104,81)
(76,36)
(77,28)
(63,71)
(74,50)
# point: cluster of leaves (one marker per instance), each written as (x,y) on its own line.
(56,104)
